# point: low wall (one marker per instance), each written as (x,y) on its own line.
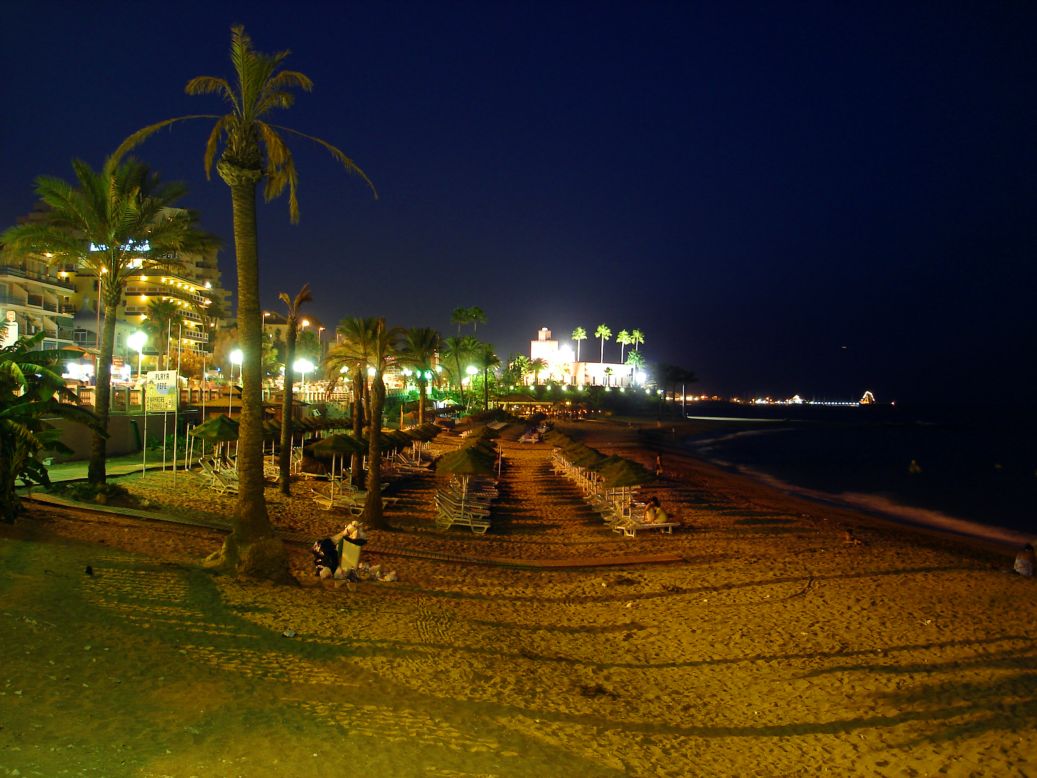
(124,434)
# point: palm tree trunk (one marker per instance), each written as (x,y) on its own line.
(251,548)
(422,397)
(373,505)
(602,351)
(284,461)
(96,473)
(460,379)
(358,421)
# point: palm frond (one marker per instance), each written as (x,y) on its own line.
(143,134)
(337,153)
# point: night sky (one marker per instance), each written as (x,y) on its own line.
(784,197)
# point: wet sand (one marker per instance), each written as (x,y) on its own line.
(772,647)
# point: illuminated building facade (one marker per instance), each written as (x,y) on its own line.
(34,298)
(563,368)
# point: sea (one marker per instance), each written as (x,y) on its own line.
(969,471)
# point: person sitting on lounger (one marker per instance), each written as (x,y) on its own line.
(652,510)
(661,517)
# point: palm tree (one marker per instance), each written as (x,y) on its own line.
(112,224)
(473,315)
(476,316)
(353,356)
(636,338)
(636,360)
(522,367)
(418,350)
(485,359)
(284,461)
(251,150)
(537,366)
(457,351)
(608,376)
(459,316)
(382,347)
(31,392)
(163,315)
(623,339)
(604,333)
(579,334)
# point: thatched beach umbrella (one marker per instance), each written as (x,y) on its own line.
(625,474)
(217,430)
(466,462)
(336,447)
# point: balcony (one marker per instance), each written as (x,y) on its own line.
(46,278)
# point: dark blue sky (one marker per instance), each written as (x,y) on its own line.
(785,197)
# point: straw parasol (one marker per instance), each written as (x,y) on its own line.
(335,446)
(217,430)
(466,462)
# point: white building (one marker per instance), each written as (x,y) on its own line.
(563,367)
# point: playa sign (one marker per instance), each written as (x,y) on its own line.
(162,391)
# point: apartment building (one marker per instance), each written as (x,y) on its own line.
(37,299)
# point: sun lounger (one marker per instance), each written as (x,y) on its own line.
(630,527)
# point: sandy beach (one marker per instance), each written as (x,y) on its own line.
(754,641)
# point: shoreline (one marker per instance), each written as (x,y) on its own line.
(988,538)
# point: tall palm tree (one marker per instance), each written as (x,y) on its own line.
(353,356)
(485,360)
(537,366)
(383,345)
(604,333)
(459,316)
(476,316)
(623,339)
(636,361)
(163,315)
(579,334)
(112,224)
(456,353)
(293,306)
(418,349)
(636,338)
(251,150)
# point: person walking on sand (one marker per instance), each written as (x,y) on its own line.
(1024,561)
(658,466)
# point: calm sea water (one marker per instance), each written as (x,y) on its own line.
(975,469)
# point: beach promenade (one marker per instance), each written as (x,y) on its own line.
(755,641)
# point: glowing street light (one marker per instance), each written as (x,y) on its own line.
(136,341)
(303,366)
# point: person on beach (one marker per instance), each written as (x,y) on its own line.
(651,509)
(658,466)
(1024,561)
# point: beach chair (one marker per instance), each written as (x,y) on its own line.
(630,527)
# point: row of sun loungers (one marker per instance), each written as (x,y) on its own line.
(466,503)
(620,508)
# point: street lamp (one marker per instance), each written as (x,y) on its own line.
(320,343)
(303,366)
(236,358)
(136,341)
